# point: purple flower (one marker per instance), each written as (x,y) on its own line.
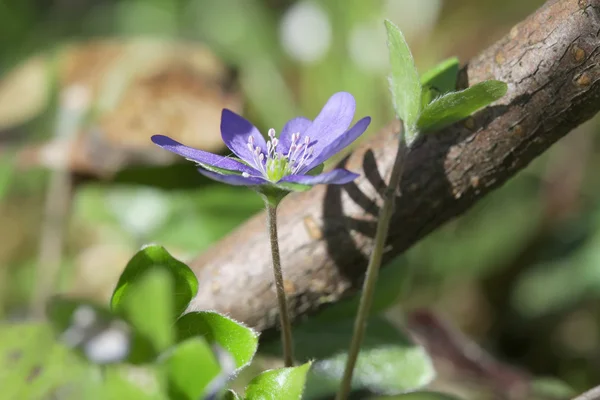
(288,162)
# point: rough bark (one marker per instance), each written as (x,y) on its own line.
(551,64)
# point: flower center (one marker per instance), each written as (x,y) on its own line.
(275,165)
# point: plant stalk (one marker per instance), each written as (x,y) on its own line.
(284,317)
(366,299)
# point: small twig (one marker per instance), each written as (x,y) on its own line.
(73,106)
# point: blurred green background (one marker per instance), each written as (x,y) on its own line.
(520,273)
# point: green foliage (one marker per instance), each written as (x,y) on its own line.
(442,77)
(190,368)
(78,322)
(178,353)
(122,382)
(439,80)
(404,82)
(33,364)
(184,280)
(149,308)
(452,107)
(279,384)
(240,341)
(389,361)
(552,388)
(414,98)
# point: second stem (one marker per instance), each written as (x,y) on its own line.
(284,317)
(368,290)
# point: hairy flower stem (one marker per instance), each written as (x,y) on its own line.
(284,317)
(385,215)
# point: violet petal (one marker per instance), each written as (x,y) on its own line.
(295,125)
(333,120)
(235,180)
(200,156)
(338,144)
(235,131)
(335,177)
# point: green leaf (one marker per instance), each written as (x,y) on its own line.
(552,388)
(389,362)
(184,280)
(238,340)
(278,384)
(404,82)
(190,367)
(83,325)
(34,365)
(124,382)
(442,77)
(453,107)
(148,307)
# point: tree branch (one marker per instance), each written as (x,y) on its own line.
(551,64)
(592,394)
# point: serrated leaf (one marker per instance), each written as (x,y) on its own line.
(238,340)
(190,367)
(389,362)
(153,256)
(278,384)
(404,81)
(453,107)
(148,307)
(442,77)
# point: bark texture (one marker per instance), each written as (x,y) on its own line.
(550,62)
